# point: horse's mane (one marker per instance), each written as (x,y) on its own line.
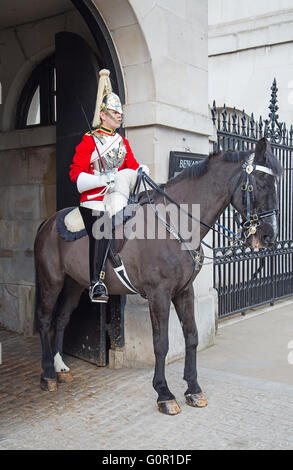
(273,163)
(199,169)
(194,171)
(270,160)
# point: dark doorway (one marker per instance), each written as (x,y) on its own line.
(92,329)
(77,79)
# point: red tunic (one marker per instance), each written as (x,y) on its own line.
(82,163)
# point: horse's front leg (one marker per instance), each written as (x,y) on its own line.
(184,305)
(159,310)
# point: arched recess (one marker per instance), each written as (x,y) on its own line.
(131,70)
(121,29)
(102,37)
(10,103)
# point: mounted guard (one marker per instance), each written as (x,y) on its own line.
(161,271)
(104,169)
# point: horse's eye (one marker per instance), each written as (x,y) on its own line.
(262,183)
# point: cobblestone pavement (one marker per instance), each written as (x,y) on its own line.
(116,409)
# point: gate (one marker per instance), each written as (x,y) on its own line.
(246,277)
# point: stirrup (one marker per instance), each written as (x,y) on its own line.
(99,297)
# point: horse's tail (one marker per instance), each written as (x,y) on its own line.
(37,300)
(37,288)
(41,225)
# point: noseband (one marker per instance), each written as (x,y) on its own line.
(248,196)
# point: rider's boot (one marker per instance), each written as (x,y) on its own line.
(98,291)
(98,251)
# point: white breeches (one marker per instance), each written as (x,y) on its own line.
(115,199)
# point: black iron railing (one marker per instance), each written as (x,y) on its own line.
(246,277)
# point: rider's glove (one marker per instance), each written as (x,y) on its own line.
(145,169)
(86,181)
(107,178)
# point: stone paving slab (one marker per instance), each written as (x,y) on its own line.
(106,409)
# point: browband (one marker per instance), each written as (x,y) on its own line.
(264,169)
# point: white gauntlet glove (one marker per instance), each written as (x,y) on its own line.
(86,181)
(145,169)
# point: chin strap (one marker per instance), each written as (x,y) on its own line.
(118,123)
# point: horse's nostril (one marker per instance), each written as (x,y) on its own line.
(268,241)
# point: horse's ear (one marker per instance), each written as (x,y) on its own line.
(268,152)
(260,150)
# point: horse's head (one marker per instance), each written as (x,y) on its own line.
(256,196)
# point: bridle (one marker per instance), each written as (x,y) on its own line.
(245,180)
(251,223)
(252,218)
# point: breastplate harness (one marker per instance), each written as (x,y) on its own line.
(110,149)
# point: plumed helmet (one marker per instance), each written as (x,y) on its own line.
(106,99)
(111,101)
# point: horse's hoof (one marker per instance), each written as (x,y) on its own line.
(49,385)
(64,377)
(196,399)
(169,407)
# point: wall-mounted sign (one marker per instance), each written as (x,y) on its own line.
(180,160)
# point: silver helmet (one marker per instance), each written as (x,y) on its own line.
(111,101)
(106,99)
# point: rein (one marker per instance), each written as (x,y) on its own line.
(245,179)
(248,198)
(144,178)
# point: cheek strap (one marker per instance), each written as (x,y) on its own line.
(111,117)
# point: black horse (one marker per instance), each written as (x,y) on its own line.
(160,270)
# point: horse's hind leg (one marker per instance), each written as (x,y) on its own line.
(69,300)
(159,310)
(46,300)
(184,305)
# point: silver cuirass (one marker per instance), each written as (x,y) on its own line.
(111,149)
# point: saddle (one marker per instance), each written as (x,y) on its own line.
(69,222)
(70,227)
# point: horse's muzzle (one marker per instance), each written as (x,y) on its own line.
(265,237)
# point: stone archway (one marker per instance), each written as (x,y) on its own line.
(130,54)
(122,40)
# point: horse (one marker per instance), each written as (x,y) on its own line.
(159,269)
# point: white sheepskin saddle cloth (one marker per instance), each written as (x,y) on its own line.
(114,200)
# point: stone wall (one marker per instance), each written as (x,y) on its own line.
(247,52)
(27,196)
